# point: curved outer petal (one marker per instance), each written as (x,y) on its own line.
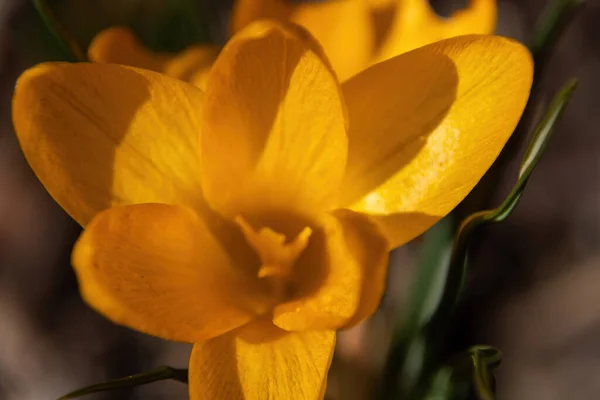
(120,45)
(416,24)
(260,361)
(425,126)
(343,27)
(274,131)
(156,268)
(354,257)
(99,135)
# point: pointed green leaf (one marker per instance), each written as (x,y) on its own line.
(474,369)
(471,369)
(143,378)
(544,130)
(490,355)
(482,372)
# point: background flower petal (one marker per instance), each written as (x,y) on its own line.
(245,12)
(120,45)
(193,60)
(274,131)
(425,126)
(157,269)
(415,24)
(345,28)
(260,361)
(341,276)
(98,135)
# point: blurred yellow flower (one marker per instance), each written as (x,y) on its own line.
(358,33)
(354,33)
(120,45)
(255,219)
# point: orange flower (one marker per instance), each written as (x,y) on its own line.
(255,219)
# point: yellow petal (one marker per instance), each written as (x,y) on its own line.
(416,24)
(157,269)
(120,45)
(353,262)
(425,126)
(260,361)
(274,131)
(99,135)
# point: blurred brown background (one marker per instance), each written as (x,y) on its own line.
(535,293)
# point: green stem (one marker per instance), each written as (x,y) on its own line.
(159,374)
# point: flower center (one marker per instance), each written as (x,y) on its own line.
(277,256)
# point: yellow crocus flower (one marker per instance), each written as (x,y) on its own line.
(358,33)
(254,219)
(120,45)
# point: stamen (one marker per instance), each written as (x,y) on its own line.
(277,257)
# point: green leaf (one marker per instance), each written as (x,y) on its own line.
(441,386)
(69,44)
(549,27)
(430,277)
(473,368)
(542,134)
(490,355)
(482,371)
(408,350)
(143,378)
